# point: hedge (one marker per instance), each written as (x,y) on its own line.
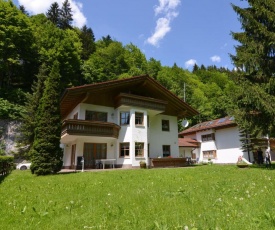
(6,164)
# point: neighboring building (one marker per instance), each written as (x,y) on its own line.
(219,141)
(187,147)
(125,121)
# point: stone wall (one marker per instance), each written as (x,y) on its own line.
(9,132)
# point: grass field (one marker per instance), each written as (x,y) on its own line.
(201,197)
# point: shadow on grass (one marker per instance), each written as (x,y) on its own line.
(3,177)
(263,166)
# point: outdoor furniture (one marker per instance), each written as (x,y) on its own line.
(103,161)
(168,162)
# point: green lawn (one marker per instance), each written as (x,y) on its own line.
(201,197)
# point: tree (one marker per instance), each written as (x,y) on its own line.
(18,54)
(46,154)
(255,58)
(23,10)
(28,118)
(66,16)
(106,63)
(153,67)
(53,14)
(88,42)
(62,45)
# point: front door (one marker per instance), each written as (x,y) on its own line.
(73,157)
(92,152)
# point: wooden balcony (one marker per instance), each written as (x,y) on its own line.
(140,101)
(90,128)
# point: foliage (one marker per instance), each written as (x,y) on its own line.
(87,38)
(29,116)
(53,14)
(106,63)
(255,58)
(66,16)
(17,47)
(10,110)
(46,154)
(61,45)
(202,197)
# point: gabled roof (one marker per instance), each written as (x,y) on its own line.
(220,123)
(104,93)
(188,142)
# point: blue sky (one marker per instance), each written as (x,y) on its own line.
(171,31)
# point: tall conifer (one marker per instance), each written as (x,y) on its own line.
(255,60)
(31,106)
(46,153)
(53,14)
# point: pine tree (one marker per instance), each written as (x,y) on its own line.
(46,154)
(23,10)
(53,14)
(88,42)
(255,58)
(31,106)
(66,16)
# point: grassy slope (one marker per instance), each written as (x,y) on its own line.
(204,197)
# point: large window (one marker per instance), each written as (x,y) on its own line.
(166,150)
(139,118)
(165,125)
(211,154)
(124,118)
(139,149)
(208,137)
(95,116)
(124,149)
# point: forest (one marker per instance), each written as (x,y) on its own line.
(31,44)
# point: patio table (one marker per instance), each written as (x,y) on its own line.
(103,161)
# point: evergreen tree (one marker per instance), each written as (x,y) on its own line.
(23,10)
(46,154)
(88,42)
(53,14)
(255,58)
(31,106)
(66,16)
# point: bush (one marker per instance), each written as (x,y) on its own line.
(6,164)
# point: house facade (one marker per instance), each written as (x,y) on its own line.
(120,122)
(219,141)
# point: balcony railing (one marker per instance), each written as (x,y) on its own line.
(90,128)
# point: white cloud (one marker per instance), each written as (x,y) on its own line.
(190,63)
(166,6)
(216,58)
(168,9)
(38,6)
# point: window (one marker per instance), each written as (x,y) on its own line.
(165,125)
(209,154)
(166,150)
(124,118)
(139,149)
(208,137)
(75,116)
(139,118)
(95,116)
(124,149)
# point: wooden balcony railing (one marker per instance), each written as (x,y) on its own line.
(144,102)
(90,128)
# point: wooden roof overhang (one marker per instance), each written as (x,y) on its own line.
(142,87)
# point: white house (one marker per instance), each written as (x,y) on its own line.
(122,122)
(219,141)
